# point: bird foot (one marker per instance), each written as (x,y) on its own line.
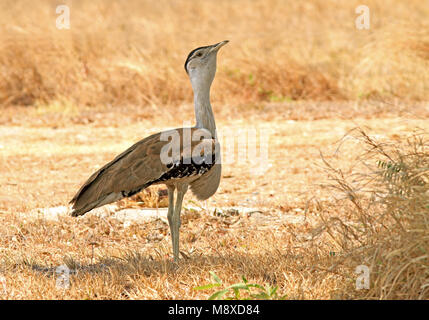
(174,260)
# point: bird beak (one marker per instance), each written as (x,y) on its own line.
(219,45)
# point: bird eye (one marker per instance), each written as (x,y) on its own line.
(199,54)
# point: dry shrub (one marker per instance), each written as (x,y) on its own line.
(393,64)
(385,218)
(282,80)
(153,197)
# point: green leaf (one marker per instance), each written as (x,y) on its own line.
(238,286)
(207,286)
(236,293)
(255,285)
(261,295)
(215,277)
(218,295)
(273,291)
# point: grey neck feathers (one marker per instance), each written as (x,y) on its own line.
(203,109)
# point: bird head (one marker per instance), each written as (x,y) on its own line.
(201,65)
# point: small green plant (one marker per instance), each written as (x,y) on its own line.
(233,292)
(392,171)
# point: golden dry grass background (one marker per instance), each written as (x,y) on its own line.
(73,99)
(132,52)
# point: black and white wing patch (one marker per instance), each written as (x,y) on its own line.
(194,161)
(187,167)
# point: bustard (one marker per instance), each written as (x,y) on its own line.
(193,164)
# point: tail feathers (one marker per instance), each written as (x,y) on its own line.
(82,208)
(80,211)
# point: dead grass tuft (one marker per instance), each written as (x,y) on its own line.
(153,197)
(384,223)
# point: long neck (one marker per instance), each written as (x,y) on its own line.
(203,109)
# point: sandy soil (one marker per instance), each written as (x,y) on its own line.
(44,163)
(46,156)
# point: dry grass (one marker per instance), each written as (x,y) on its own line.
(129,263)
(384,223)
(44,166)
(122,53)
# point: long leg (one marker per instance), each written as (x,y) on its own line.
(170,209)
(181,190)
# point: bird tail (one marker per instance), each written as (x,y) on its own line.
(80,207)
(88,198)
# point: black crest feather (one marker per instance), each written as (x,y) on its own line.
(190,55)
